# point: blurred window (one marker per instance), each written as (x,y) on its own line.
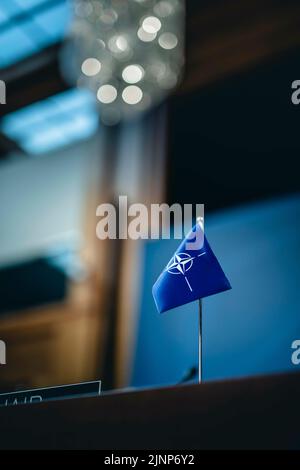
(53,123)
(27,26)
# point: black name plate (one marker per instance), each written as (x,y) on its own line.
(61,392)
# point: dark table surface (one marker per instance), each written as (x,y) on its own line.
(254,413)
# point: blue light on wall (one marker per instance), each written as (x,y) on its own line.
(27,26)
(53,123)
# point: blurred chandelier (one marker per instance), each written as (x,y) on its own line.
(130,53)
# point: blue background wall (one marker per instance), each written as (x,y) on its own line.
(246,331)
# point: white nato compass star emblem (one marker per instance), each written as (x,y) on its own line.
(181,263)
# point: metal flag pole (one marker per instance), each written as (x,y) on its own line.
(200,341)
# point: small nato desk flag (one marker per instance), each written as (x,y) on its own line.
(193,273)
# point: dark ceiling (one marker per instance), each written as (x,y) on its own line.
(237,140)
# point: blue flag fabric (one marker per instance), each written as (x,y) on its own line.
(191,274)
